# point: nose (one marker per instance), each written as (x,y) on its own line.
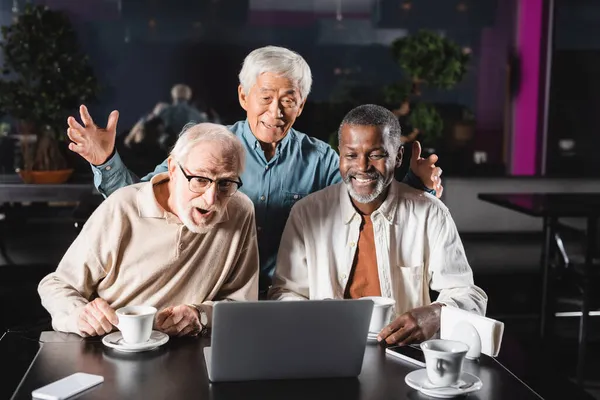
(363,163)
(275,109)
(210,196)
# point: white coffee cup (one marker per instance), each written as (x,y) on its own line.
(382,312)
(444,360)
(135,323)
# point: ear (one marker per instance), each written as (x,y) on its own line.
(301,108)
(399,156)
(243,98)
(172,168)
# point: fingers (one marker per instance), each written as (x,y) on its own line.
(75,135)
(432,159)
(438,192)
(89,316)
(113,118)
(107,311)
(85,116)
(72,122)
(99,321)
(416,150)
(190,330)
(415,337)
(399,335)
(85,328)
(162,316)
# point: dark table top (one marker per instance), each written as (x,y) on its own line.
(559,205)
(177,371)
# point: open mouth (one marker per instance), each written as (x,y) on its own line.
(202,211)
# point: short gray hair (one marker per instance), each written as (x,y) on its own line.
(374,115)
(194,134)
(279,61)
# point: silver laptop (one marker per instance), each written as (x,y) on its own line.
(287,339)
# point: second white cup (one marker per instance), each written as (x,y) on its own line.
(135,323)
(444,360)
(382,312)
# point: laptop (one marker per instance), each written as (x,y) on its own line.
(262,340)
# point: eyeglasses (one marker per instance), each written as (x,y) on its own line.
(200,184)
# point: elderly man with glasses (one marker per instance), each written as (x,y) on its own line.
(179,242)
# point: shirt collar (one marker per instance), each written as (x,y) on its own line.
(387,209)
(255,144)
(148,206)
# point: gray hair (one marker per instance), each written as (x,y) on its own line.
(279,61)
(374,115)
(194,134)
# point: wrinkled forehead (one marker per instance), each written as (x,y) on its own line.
(212,158)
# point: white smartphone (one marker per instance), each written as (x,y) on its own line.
(410,353)
(67,387)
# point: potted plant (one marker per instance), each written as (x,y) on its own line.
(45,76)
(427,59)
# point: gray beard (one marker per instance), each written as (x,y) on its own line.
(364,199)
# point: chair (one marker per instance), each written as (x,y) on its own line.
(573,282)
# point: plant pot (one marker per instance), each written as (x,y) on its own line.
(45,177)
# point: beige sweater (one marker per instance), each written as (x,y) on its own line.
(132,252)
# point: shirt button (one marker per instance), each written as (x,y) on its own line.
(352,244)
(107,168)
(295,197)
(262,198)
(267,167)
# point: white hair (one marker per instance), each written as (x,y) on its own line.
(279,61)
(194,134)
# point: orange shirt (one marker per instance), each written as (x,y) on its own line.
(364,277)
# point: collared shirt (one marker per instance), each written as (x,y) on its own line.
(133,252)
(301,165)
(417,248)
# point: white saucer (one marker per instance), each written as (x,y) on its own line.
(418,380)
(115,341)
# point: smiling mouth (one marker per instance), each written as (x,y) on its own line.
(202,211)
(363,180)
(272,126)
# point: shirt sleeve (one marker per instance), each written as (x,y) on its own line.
(331,170)
(290,280)
(414,181)
(114,175)
(65,292)
(242,283)
(448,268)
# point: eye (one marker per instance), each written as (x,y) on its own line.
(350,156)
(201,182)
(377,157)
(225,184)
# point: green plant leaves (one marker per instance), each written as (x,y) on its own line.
(45,75)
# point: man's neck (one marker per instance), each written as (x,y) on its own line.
(162,192)
(269,149)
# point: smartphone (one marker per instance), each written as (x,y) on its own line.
(67,387)
(410,353)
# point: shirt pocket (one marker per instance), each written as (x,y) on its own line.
(290,198)
(409,285)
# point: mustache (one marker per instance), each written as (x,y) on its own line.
(364,175)
(199,203)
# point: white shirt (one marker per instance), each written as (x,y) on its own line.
(416,242)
